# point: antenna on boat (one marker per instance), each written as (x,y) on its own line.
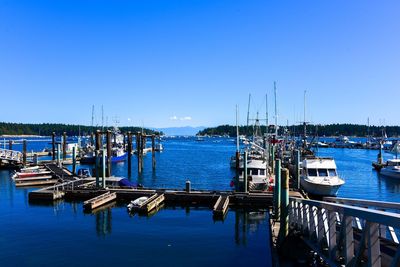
(248,115)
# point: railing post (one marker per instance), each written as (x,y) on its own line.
(332,234)
(59,155)
(321,227)
(348,239)
(373,243)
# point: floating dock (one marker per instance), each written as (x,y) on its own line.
(98,201)
(221,207)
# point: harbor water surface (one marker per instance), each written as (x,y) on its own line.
(63,235)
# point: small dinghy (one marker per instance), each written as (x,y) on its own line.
(137,203)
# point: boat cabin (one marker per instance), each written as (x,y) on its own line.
(319,167)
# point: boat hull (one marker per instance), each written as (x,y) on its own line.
(319,189)
(390,173)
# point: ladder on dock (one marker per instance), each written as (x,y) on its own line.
(98,201)
(11,155)
(221,207)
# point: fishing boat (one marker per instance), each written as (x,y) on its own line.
(257,174)
(118,154)
(31,172)
(392,168)
(319,176)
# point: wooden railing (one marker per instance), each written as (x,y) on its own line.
(350,235)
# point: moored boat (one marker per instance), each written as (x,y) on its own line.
(391,168)
(319,176)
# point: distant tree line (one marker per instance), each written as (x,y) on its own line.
(46,129)
(320,130)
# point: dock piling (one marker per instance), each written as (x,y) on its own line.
(297,168)
(97,167)
(103,180)
(245,187)
(188,186)
(10,144)
(58,155)
(108,170)
(24,152)
(284,218)
(142,145)
(53,145)
(98,140)
(129,153)
(74,160)
(64,146)
(277,189)
(153,152)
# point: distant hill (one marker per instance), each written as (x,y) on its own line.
(186,131)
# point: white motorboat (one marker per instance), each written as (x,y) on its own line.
(319,176)
(392,168)
(134,204)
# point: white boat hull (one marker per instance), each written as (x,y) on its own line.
(319,189)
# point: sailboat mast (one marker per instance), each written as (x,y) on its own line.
(266,113)
(276,112)
(304,123)
(248,115)
(102,118)
(237,128)
(92,116)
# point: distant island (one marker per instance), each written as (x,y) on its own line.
(320,130)
(46,129)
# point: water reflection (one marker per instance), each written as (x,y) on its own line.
(247,222)
(103,221)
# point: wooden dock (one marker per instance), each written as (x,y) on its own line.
(221,207)
(98,201)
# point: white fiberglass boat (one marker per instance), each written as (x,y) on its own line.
(319,176)
(392,168)
(257,174)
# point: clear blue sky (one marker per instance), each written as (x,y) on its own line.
(189,62)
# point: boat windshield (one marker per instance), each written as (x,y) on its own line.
(312,172)
(332,172)
(323,172)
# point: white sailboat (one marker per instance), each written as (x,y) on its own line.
(392,168)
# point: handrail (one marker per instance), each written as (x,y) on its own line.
(382,205)
(350,232)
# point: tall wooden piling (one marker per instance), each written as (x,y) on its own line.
(64,146)
(284,218)
(153,151)
(108,170)
(103,180)
(10,144)
(58,155)
(129,153)
(277,189)
(74,160)
(237,168)
(53,145)
(142,145)
(138,142)
(97,167)
(24,152)
(98,140)
(245,183)
(297,168)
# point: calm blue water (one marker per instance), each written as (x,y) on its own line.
(63,235)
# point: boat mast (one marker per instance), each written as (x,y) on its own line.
(304,123)
(248,115)
(276,112)
(237,129)
(266,113)
(102,118)
(92,116)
